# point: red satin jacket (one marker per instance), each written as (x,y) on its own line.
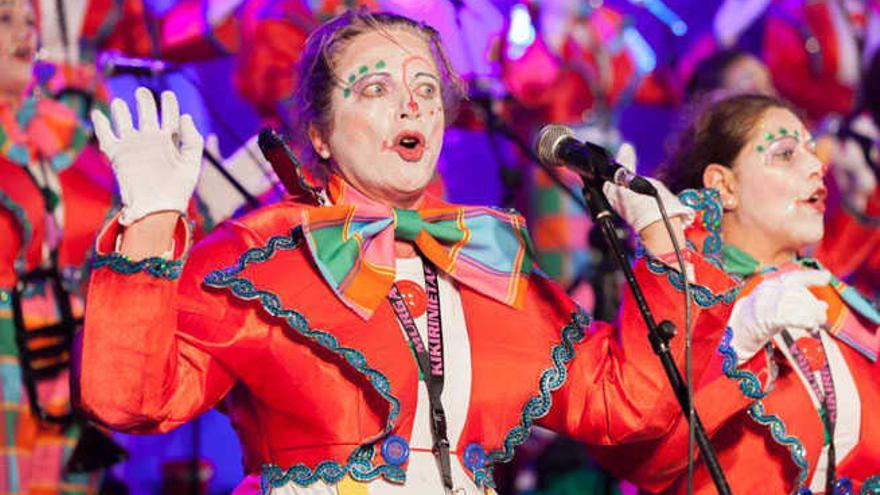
(314,391)
(767,440)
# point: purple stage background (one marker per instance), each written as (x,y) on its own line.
(470,171)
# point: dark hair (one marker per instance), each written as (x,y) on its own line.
(716,134)
(310,104)
(709,73)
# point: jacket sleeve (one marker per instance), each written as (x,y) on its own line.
(156,345)
(617,391)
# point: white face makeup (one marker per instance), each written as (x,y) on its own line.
(387,116)
(780,193)
(18,44)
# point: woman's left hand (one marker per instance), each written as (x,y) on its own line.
(641,211)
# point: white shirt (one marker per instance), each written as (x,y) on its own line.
(849,406)
(423,472)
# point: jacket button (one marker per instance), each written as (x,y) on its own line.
(843,486)
(395,450)
(474,457)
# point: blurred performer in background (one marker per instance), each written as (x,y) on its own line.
(310,317)
(816,50)
(55,192)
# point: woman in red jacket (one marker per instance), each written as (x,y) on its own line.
(367,337)
(799,345)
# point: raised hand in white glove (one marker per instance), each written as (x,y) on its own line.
(851,170)
(640,210)
(156,166)
(774,305)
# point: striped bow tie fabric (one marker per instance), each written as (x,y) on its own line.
(353,246)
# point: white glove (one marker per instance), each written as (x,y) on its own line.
(776,304)
(851,170)
(156,167)
(640,210)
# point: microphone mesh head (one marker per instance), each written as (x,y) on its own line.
(548,141)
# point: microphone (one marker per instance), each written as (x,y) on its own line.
(114,64)
(558,147)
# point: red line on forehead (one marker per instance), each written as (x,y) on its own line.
(413,106)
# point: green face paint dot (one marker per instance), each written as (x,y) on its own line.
(380,64)
(363,69)
(783,131)
(769,136)
(760,149)
(346,93)
(351,78)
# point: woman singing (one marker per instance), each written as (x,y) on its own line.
(369,338)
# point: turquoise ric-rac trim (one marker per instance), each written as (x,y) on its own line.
(538,405)
(23,223)
(700,294)
(707,201)
(358,466)
(749,384)
(155,266)
(751,388)
(871,486)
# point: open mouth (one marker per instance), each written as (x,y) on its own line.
(817,199)
(409,145)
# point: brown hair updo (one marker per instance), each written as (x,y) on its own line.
(716,134)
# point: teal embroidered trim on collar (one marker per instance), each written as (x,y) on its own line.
(155,266)
(750,386)
(358,466)
(707,201)
(700,294)
(539,405)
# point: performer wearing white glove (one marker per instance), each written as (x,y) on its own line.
(798,345)
(152,176)
(302,318)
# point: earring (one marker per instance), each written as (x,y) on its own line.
(325,153)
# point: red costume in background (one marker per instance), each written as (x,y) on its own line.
(55,193)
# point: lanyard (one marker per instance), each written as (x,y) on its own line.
(827,398)
(430,361)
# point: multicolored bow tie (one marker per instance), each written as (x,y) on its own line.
(353,246)
(851,317)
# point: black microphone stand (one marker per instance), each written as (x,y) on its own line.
(658,335)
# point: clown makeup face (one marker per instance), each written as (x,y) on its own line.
(18,44)
(387,117)
(776,198)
